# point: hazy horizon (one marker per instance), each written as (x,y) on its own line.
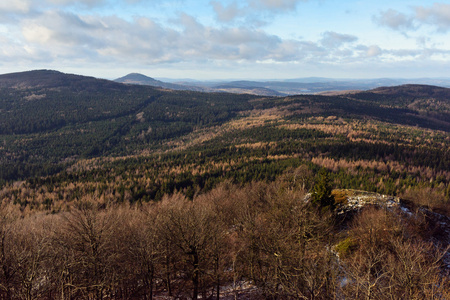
(306,79)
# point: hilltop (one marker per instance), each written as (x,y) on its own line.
(47,79)
(140,79)
(415,90)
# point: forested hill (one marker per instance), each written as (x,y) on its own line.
(62,126)
(47,79)
(421,105)
(416,91)
(139,79)
(41,101)
(48,119)
(420,98)
(116,191)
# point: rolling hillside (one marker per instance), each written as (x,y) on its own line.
(124,191)
(50,121)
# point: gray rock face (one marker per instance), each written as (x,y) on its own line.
(351,200)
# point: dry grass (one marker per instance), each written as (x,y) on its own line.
(340,196)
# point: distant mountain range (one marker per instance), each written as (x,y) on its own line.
(309,85)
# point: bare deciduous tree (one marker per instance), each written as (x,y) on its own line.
(190,229)
(8,215)
(86,242)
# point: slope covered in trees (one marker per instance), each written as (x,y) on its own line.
(77,150)
(92,131)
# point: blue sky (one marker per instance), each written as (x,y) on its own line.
(227,39)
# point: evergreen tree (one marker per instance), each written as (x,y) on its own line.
(321,194)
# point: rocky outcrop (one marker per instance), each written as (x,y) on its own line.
(353,200)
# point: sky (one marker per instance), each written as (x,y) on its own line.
(227,39)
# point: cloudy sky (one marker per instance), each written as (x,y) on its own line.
(228,39)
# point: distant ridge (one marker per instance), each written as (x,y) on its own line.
(282,87)
(140,79)
(415,90)
(53,79)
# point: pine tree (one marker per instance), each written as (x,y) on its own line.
(321,194)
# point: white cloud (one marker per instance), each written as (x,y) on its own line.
(252,11)
(26,6)
(282,5)
(236,43)
(72,2)
(37,34)
(226,13)
(395,20)
(333,39)
(17,54)
(15,6)
(66,37)
(438,15)
(55,27)
(63,34)
(373,51)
